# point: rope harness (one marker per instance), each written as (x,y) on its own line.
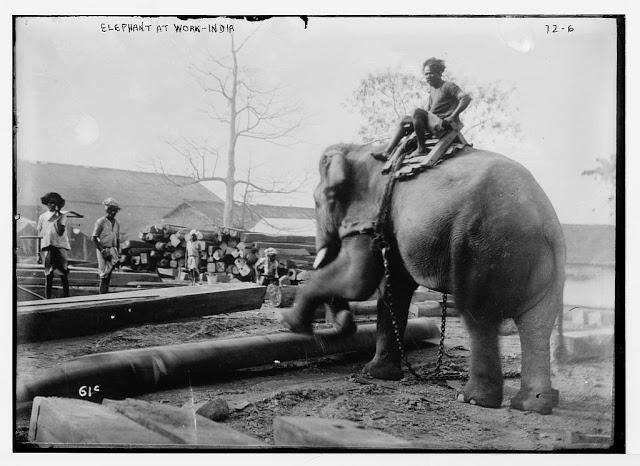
(382,240)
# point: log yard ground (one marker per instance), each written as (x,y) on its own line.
(332,387)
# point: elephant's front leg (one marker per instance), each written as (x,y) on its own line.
(338,312)
(386,364)
(352,276)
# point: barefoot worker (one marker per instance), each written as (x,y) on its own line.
(52,229)
(446,102)
(194,251)
(106,237)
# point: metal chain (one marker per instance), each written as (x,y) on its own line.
(383,228)
(442,332)
(388,302)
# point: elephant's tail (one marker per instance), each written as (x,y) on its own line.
(555,239)
(560,353)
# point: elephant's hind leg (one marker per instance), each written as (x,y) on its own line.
(535,328)
(484,387)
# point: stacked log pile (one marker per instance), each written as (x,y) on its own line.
(163,249)
(225,251)
(296,254)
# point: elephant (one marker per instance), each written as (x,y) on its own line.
(477,226)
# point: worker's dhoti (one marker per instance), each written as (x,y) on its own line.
(105,266)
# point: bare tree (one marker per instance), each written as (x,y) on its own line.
(383,98)
(245,110)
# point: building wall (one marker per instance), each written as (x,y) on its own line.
(590,286)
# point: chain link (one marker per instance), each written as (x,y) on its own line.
(388,302)
(442,332)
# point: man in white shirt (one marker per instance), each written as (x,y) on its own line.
(106,237)
(52,229)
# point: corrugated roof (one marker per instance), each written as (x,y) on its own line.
(145,197)
(94,184)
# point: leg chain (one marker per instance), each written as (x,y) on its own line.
(442,331)
(387,300)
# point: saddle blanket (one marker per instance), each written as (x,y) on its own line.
(438,150)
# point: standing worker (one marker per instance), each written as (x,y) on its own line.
(52,228)
(106,237)
(267,267)
(194,250)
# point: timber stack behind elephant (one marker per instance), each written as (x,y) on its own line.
(477,226)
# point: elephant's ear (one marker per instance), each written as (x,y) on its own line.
(337,170)
(336,174)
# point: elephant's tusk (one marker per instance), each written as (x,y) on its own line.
(322,253)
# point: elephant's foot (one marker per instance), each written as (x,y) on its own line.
(344,324)
(294,322)
(383,369)
(540,402)
(481,394)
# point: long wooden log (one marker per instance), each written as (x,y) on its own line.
(210,235)
(132,243)
(120,374)
(433,309)
(137,251)
(152,229)
(67,317)
(154,237)
(250,237)
(359,308)
(173,229)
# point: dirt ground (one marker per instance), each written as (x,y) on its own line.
(332,387)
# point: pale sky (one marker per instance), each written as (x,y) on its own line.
(112,99)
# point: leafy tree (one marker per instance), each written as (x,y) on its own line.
(605,171)
(383,98)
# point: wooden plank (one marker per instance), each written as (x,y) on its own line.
(87,275)
(180,424)
(433,309)
(39,281)
(82,315)
(314,432)
(311,248)
(164,284)
(126,296)
(24,295)
(69,422)
(119,374)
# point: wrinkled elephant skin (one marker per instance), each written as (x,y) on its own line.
(477,226)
